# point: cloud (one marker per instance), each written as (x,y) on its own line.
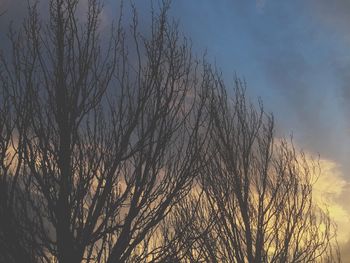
(330,191)
(296,57)
(260,5)
(303,102)
(345,252)
(333,18)
(334,14)
(305,78)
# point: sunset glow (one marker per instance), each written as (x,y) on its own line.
(174,131)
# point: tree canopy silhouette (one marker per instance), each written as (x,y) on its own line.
(123,147)
(254,202)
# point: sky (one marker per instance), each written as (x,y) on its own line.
(295,56)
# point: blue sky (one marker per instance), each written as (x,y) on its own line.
(293,54)
(288,55)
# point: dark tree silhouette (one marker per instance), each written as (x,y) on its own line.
(119,146)
(108,145)
(18,241)
(254,201)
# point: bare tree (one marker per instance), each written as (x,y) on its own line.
(18,239)
(254,202)
(121,147)
(108,144)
